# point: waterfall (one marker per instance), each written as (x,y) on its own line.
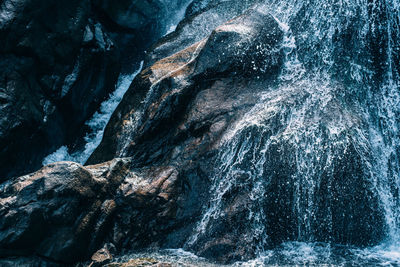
(172,15)
(328,129)
(97,124)
(314,167)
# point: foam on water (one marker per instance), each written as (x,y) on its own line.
(324,254)
(174,14)
(320,74)
(287,254)
(96,124)
(329,75)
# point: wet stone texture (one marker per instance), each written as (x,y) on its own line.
(204,152)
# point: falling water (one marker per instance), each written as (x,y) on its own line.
(173,13)
(337,100)
(328,131)
(96,124)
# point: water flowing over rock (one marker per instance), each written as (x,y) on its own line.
(174,209)
(292,153)
(57,65)
(59,62)
(246,50)
(257,131)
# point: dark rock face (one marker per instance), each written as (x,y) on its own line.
(57,65)
(133,25)
(184,118)
(206,152)
(275,202)
(131,14)
(63,210)
(269,188)
(137,204)
(175,82)
(184,109)
(137,25)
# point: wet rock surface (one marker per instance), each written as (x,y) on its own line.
(203,153)
(259,179)
(181,109)
(59,62)
(58,212)
(64,211)
(194,92)
(103,255)
(132,203)
(57,65)
(133,25)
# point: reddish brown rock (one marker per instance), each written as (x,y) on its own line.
(65,212)
(60,212)
(188,97)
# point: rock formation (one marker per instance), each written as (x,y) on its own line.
(217,147)
(57,65)
(59,61)
(153,184)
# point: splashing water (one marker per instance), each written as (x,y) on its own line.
(96,124)
(334,113)
(175,14)
(287,254)
(320,152)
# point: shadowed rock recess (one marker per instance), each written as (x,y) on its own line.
(59,60)
(57,65)
(230,142)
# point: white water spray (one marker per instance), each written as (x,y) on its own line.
(96,124)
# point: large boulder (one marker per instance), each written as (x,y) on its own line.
(65,212)
(281,161)
(176,112)
(60,212)
(179,95)
(294,167)
(220,155)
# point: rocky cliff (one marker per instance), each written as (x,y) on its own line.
(59,62)
(242,132)
(172,149)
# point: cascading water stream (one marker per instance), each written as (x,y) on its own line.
(326,132)
(384,132)
(334,113)
(173,13)
(97,124)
